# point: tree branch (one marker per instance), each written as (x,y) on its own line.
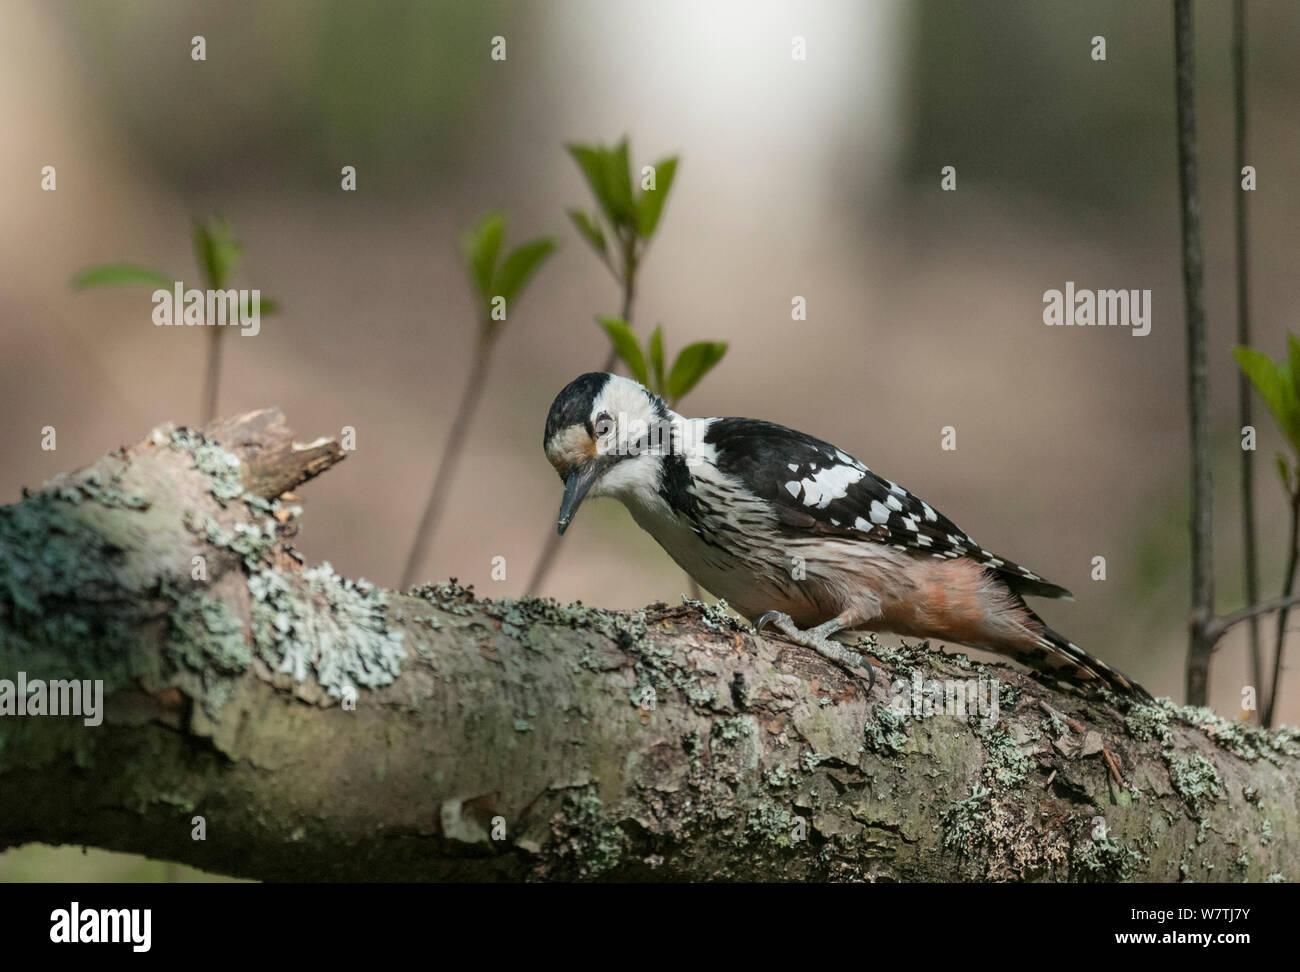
(1219,627)
(318,728)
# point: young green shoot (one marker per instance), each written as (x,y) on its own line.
(218,255)
(496,283)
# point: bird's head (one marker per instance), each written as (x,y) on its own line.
(606,435)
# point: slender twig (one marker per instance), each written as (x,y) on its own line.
(460,425)
(1220,626)
(1250,557)
(1199,647)
(212,379)
(1288,585)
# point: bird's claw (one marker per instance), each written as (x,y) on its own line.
(818,639)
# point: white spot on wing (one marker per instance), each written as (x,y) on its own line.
(828,484)
(878,512)
(793,487)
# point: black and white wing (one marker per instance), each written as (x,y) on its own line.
(817,488)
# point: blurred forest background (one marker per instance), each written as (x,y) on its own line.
(817,178)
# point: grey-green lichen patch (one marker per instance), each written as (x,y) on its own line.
(811,759)
(730,731)
(769,823)
(1241,738)
(1154,720)
(1105,860)
(203,635)
(1053,725)
(252,540)
(1149,721)
(316,622)
(587,836)
(1008,696)
(221,467)
(518,617)
(887,731)
(780,778)
(204,638)
(92,486)
(961,822)
(657,665)
(1004,765)
(1197,780)
(60,580)
(902,660)
(718,616)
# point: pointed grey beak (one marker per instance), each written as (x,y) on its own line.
(575,490)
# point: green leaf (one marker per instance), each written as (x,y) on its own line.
(591,160)
(122,275)
(651,203)
(217,251)
(609,179)
(619,171)
(590,230)
(268,305)
(1274,384)
(1293,362)
(625,344)
(479,245)
(520,265)
(657,359)
(693,363)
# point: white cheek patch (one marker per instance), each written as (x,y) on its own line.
(827,484)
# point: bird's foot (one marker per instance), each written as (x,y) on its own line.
(819,639)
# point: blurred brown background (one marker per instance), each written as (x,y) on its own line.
(817,178)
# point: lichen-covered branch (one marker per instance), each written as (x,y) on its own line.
(308,727)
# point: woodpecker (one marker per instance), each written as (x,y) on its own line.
(795,533)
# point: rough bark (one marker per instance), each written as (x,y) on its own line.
(326,729)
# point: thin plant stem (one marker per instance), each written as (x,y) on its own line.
(1250,554)
(456,440)
(1288,585)
(1221,626)
(212,379)
(1200,646)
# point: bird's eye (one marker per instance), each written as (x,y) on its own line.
(604,425)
